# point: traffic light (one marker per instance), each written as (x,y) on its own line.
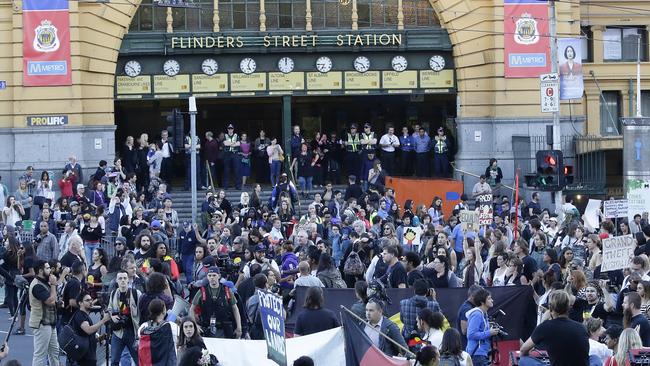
(568,175)
(176,128)
(550,170)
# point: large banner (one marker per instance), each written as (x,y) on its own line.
(515,301)
(272,313)
(569,53)
(617,251)
(638,197)
(526,40)
(46,43)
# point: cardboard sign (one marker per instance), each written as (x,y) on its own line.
(486,211)
(617,252)
(469,220)
(615,208)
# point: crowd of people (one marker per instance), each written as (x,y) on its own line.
(111,250)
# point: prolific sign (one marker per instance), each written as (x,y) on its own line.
(202,83)
(486,211)
(250,82)
(549,90)
(47,120)
(137,85)
(399,80)
(289,81)
(468,220)
(615,208)
(356,80)
(434,80)
(46,43)
(526,43)
(171,84)
(288,41)
(617,252)
(324,80)
(272,313)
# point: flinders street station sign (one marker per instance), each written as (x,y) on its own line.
(288,41)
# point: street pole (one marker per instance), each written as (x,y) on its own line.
(192,110)
(638,75)
(557,139)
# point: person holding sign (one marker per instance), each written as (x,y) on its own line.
(215,309)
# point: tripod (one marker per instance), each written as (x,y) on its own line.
(22,302)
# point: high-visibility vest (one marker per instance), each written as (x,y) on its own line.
(233,139)
(353,143)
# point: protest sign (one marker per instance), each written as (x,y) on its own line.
(486,211)
(615,208)
(617,252)
(412,236)
(272,313)
(591,214)
(468,220)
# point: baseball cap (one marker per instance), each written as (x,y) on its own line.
(155,224)
(260,248)
(208,261)
(120,239)
(366,125)
(354,125)
(230,125)
(74,203)
(214,269)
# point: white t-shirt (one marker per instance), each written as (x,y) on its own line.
(389,140)
(598,349)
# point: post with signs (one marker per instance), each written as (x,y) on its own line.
(272,313)
(617,251)
(549,89)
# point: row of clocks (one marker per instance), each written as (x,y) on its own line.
(286,65)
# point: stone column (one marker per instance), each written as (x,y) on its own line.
(262,16)
(400,15)
(308,27)
(215,16)
(170,20)
(355,16)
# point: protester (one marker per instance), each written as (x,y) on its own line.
(315,319)
(378,322)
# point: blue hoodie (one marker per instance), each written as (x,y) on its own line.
(478,333)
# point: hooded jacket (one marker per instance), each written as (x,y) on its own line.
(478,333)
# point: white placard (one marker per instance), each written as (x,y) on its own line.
(617,252)
(549,91)
(468,220)
(615,208)
(591,214)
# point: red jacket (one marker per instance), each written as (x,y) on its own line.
(66,187)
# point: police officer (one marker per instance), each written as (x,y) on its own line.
(407,152)
(368,139)
(214,307)
(441,145)
(188,162)
(231,158)
(352,145)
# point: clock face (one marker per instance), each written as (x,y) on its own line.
(132,68)
(248,65)
(324,64)
(399,63)
(171,67)
(209,66)
(361,64)
(286,65)
(437,63)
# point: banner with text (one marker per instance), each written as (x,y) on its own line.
(526,40)
(485,209)
(569,51)
(273,323)
(617,252)
(46,43)
(615,208)
(638,196)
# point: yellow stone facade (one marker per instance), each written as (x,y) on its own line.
(475,28)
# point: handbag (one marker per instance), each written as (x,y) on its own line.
(74,345)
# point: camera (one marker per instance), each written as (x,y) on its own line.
(121,323)
(227,266)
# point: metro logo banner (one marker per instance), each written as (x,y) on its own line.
(46,43)
(526,38)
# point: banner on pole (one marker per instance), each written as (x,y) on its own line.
(615,208)
(617,251)
(526,40)
(272,313)
(569,52)
(46,43)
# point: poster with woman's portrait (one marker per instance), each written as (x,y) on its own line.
(570,59)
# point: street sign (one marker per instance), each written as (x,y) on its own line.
(549,90)
(3,85)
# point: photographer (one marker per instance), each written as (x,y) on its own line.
(214,307)
(42,319)
(83,326)
(13,212)
(478,329)
(125,318)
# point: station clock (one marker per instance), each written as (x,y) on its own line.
(247,65)
(132,68)
(399,63)
(209,66)
(286,65)
(361,64)
(437,63)
(324,64)
(171,67)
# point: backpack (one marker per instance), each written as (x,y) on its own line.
(74,345)
(449,360)
(353,265)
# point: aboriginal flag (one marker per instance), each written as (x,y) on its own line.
(359,349)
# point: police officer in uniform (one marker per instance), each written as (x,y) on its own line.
(231,158)
(441,145)
(214,307)
(187,143)
(352,145)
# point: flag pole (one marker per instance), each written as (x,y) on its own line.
(406,350)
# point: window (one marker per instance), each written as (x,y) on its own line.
(610,113)
(150,17)
(620,43)
(645,103)
(587,43)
